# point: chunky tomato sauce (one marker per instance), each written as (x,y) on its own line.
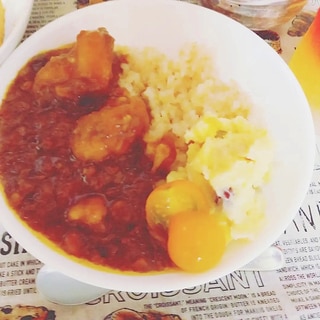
(42,178)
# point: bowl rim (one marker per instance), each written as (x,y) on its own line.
(13,37)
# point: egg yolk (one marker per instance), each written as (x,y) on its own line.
(196,240)
(173,197)
(167,200)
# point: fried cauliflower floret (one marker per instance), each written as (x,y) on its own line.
(90,211)
(85,68)
(110,130)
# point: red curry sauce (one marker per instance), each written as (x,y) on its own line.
(42,179)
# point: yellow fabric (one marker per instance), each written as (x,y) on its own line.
(305,63)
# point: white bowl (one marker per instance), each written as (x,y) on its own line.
(17,14)
(241,55)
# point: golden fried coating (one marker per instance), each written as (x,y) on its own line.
(110,130)
(89,211)
(85,68)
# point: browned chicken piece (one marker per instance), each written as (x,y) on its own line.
(90,211)
(110,130)
(85,68)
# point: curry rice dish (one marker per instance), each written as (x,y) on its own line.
(125,160)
